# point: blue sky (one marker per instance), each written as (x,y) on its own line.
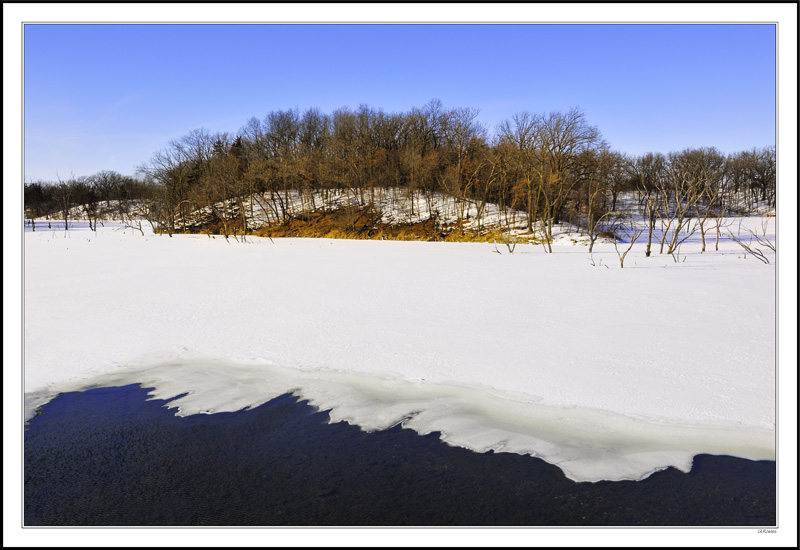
(106,97)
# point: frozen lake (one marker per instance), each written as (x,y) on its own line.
(608,373)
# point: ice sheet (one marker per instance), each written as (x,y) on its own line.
(588,445)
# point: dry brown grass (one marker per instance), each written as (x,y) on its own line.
(363,223)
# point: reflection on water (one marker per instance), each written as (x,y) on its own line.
(109,456)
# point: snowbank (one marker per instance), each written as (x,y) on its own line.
(609,373)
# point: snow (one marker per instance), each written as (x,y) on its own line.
(608,373)
(396,206)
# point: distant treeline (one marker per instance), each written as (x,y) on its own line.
(553,166)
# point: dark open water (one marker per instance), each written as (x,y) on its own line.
(108,457)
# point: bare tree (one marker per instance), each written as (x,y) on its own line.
(562,138)
(711,195)
(761,238)
(600,169)
(680,191)
(63,194)
(628,227)
(463,134)
(90,204)
(37,199)
(648,171)
(177,170)
(108,184)
(522,132)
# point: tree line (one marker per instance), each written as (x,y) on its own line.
(555,167)
(106,194)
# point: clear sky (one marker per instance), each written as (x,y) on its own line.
(106,97)
(110,98)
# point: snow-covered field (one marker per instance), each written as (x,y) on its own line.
(609,373)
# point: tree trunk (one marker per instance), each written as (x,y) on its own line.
(703,236)
(530,207)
